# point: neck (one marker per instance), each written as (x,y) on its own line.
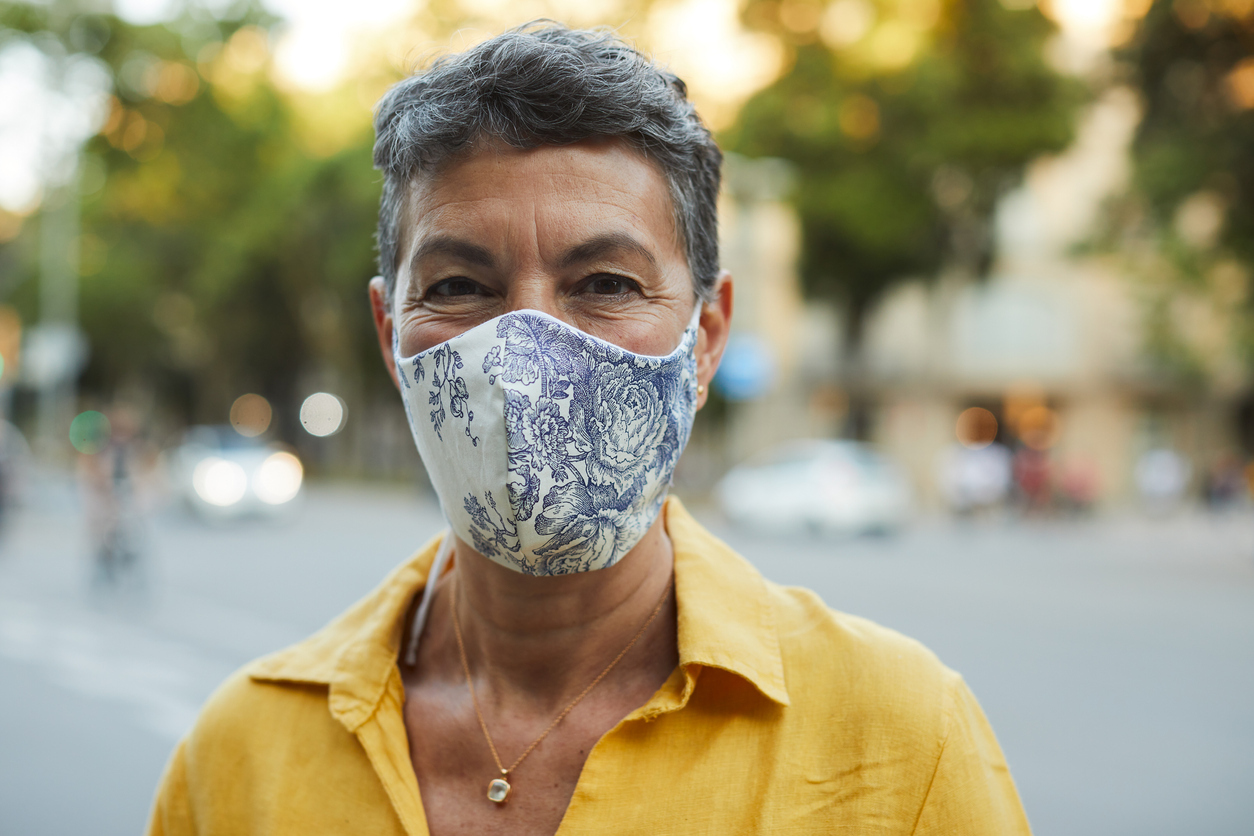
(546,637)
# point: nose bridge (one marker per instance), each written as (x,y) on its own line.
(534,288)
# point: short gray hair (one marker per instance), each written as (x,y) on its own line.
(545,84)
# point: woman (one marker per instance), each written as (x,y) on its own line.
(576,654)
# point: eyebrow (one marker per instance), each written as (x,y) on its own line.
(594,248)
(604,245)
(456,248)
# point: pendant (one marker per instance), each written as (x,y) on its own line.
(498,790)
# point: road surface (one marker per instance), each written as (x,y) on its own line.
(1114,658)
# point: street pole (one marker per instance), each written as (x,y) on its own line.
(59,266)
(58,304)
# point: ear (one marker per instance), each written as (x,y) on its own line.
(713,330)
(381,308)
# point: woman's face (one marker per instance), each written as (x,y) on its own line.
(584,232)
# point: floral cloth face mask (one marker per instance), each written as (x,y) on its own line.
(551,450)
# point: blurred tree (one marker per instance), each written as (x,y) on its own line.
(1193,62)
(907,121)
(225,248)
(227,221)
(225,243)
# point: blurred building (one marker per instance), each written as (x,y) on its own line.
(1054,343)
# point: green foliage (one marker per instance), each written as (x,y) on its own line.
(1193,182)
(1194,65)
(221,254)
(227,250)
(900,164)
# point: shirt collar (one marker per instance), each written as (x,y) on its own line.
(725,620)
(726,617)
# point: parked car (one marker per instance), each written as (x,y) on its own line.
(221,474)
(821,485)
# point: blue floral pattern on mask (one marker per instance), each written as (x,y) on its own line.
(591,435)
(599,428)
(446,384)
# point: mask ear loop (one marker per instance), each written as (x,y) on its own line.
(428,595)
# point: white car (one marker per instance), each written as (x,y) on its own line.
(843,487)
(224,475)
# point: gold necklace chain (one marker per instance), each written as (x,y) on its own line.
(498,789)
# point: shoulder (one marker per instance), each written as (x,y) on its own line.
(303,702)
(260,745)
(247,721)
(246,705)
(867,718)
(794,647)
(878,697)
(873,672)
(813,632)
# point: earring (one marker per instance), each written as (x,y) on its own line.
(700,388)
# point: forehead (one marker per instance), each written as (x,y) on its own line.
(557,190)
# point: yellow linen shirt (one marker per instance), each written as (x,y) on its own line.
(783,717)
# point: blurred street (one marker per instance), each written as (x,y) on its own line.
(1114,658)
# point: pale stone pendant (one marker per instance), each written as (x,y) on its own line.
(498,790)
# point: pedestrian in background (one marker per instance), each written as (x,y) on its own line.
(115,482)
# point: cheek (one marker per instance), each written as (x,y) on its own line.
(652,329)
(421,330)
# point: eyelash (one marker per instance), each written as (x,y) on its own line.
(629,285)
(444,283)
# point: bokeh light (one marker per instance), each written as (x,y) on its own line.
(845,22)
(1039,427)
(250,415)
(323,414)
(278,479)
(219,482)
(1240,82)
(1021,399)
(89,432)
(10,339)
(1085,15)
(976,428)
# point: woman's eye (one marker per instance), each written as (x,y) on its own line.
(455,287)
(610,285)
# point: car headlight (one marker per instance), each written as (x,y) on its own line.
(278,479)
(219,482)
